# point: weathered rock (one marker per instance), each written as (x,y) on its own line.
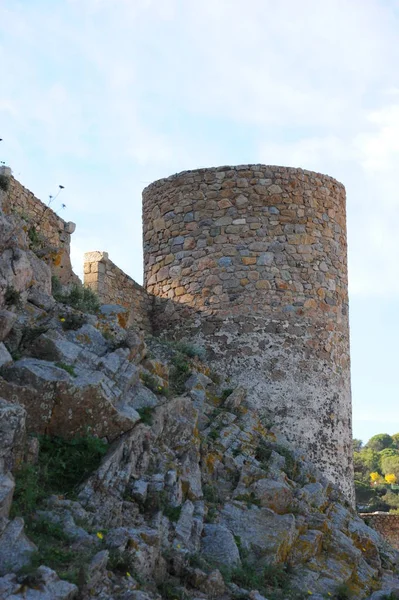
(219,547)
(41,299)
(275,495)
(68,405)
(5,356)
(134,340)
(12,433)
(47,586)
(141,397)
(53,346)
(7,320)
(314,494)
(7,485)
(265,535)
(235,399)
(15,548)
(214,584)
(89,338)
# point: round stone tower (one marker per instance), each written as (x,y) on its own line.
(251,261)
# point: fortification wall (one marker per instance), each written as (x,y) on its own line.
(113,286)
(251,262)
(386,524)
(51,237)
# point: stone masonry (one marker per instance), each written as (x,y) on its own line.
(54,234)
(386,524)
(113,286)
(251,261)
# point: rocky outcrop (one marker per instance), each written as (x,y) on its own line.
(197,495)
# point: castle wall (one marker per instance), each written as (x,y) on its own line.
(113,286)
(53,233)
(251,262)
(386,524)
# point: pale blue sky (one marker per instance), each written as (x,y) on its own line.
(104,96)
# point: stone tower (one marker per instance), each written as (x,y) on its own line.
(252,263)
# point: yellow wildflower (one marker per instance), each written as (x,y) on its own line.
(100,535)
(310,593)
(62,319)
(128,574)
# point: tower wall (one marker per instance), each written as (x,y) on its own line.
(251,261)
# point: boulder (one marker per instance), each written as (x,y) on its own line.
(219,547)
(276,495)
(68,405)
(5,356)
(263,533)
(7,320)
(15,547)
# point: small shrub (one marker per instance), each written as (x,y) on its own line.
(226,393)
(190,350)
(29,334)
(80,298)
(263,453)
(271,576)
(179,374)
(211,494)
(170,591)
(152,383)
(249,499)
(56,286)
(291,465)
(120,562)
(73,322)
(172,512)
(211,515)
(68,368)
(62,466)
(146,414)
(34,237)
(342,592)
(12,297)
(4,182)
(214,434)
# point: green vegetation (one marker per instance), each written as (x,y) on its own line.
(146,414)
(249,499)
(80,298)
(29,334)
(226,393)
(68,368)
(190,350)
(269,579)
(12,297)
(34,237)
(62,466)
(179,374)
(4,182)
(72,321)
(170,591)
(152,383)
(376,473)
(342,592)
(56,286)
